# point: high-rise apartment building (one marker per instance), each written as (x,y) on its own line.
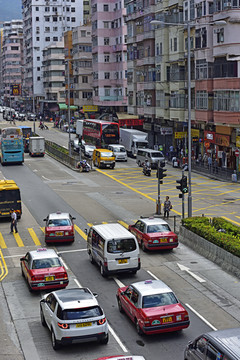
(12,58)
(44,22)
(109,54)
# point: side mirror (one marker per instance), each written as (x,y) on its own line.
(95,294)
(44,219)
(43,301)
(73,218)
(22,259)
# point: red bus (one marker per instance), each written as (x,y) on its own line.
(100,133)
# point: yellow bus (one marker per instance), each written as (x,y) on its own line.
(10,198)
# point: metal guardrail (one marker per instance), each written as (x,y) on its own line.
(215,171)
(55,150)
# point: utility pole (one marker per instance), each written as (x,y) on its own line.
(160,175)
(68,81)
(184,189)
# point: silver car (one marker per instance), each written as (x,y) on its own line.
(119,152)
(73,315)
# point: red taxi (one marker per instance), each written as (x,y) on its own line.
(59,228)
(154,234)
(43,269)
(153,307)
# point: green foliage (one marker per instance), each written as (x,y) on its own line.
(209,230)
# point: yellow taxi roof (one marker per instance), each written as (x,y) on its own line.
(8,185)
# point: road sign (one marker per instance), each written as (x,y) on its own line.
(237,153)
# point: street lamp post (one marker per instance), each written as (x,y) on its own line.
(189,23)
(68,81)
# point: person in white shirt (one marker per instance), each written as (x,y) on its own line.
(13,221)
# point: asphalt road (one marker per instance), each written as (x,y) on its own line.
(106,196)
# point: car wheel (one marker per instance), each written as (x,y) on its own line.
(104,341)
(143,246)
(139,163)
(43,321)
(91,258)
(139,330)
(120,308)
(102,271)
(55,343)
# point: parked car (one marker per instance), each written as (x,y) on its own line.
(153,307)
(73,315)
(154,234)
(59,228)
(43,269)
(119,152)
(103,158)
(21,116)
(31,116)
(75,145)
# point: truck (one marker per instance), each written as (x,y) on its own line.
(79,128)
(133,139)
(36,146)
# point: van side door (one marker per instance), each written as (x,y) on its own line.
(198,349)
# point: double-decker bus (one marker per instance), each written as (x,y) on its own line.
(11,146)
(100,133)
(10,198)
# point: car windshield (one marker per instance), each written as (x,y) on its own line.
(119,149)
(46,263)
(90,147)
(59,222)
(157,154)
(155,300)
(84,313)
(121,245)
(158,228)
(106,154)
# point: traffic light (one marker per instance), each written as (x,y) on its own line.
(183,185)
(160,173)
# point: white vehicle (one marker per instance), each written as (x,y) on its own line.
(153,156)
(119,152)
(133,139)
(113,248)
(79,127)
(36,146)
(73,315)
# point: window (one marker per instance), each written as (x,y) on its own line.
(175,44)
(73,19)
(107,75)
(202,100)
(87,95)
(47,18)
(72,9)
(106,58)
(47,29)
(107,93)
(37,18)
(83,33)
(106,24)
(37,8)
(37,38)
(55,28)
(220,35)
(105,7)
(47,38)
(47,9)
(55,18)
(106,41)
(55,38)
(84,79)
(38,58)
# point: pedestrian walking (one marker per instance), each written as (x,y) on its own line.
(167,207)
(13,221)
(210,163)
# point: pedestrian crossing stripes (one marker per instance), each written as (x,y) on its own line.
(22,239)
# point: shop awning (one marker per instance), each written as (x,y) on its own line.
(63,106)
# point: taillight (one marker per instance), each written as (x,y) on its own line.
(139,260)
(61,276)
(37,277)
(146,322)
(63,326)
(105,262)
(171,240)
(101,321)
(186,316)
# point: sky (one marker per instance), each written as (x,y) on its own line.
(10,10)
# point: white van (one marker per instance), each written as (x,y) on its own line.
(153,157)
(113,248)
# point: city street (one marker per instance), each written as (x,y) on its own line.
(120,195)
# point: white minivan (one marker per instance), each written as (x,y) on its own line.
(113,248)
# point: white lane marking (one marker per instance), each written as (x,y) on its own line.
(46,178)
(64,264)
(110,328)
(119,283)
(70,251)
(201,317)
(154,276)
(117,339)
(196,277)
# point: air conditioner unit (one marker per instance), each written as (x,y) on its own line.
(228,4)
(175,11)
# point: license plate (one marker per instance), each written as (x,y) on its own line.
(167,319)
(49,278)
(163,240)
(59,233)
(122,261)
(84,324)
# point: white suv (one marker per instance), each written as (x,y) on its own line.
(73,315)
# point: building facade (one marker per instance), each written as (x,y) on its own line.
(109,51)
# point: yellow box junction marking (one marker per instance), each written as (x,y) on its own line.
(81,233)
(18,240)
(123,223)
(34,237)
(235,222)
(2,242)
(3,265)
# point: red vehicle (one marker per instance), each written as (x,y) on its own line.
(100,133)
(154,234)
(59,228)
(43,269)
(153,307)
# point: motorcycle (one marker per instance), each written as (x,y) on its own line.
(83,166)
(146,170)
(43,126)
